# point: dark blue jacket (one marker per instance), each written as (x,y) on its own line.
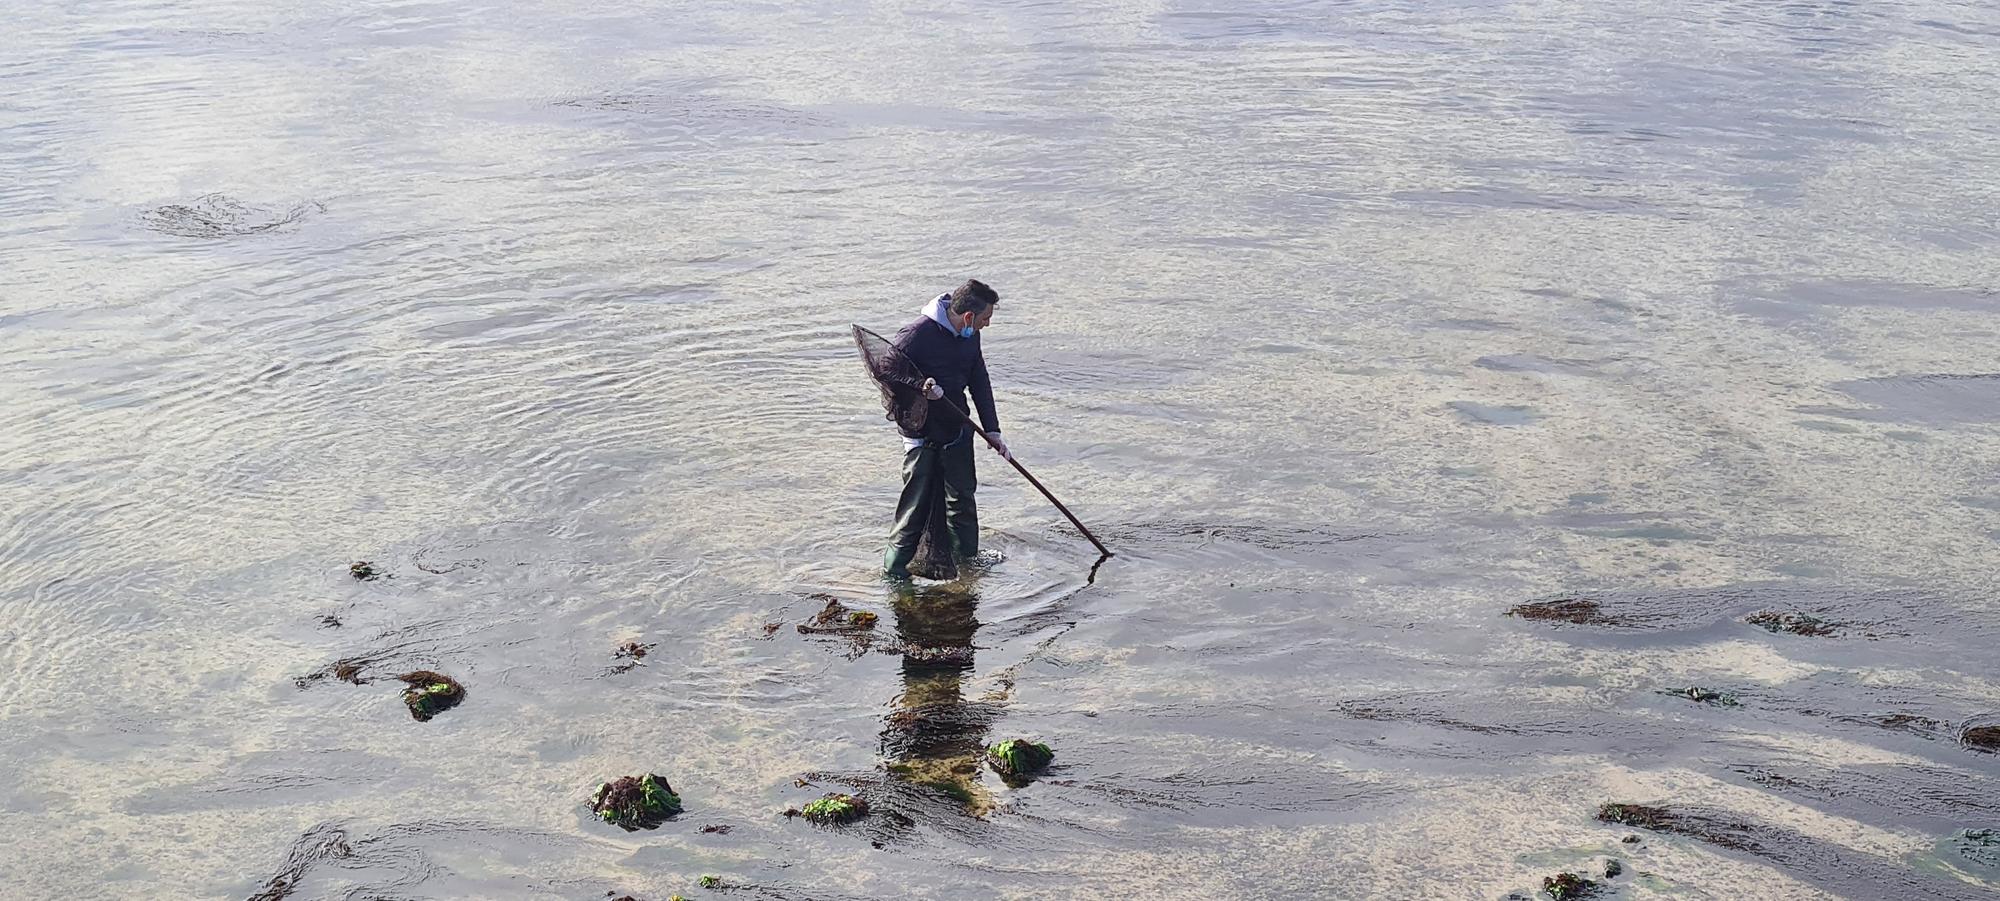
(958,365)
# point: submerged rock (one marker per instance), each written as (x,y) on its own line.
(1019,758)
(641,802)
(222,216)
(633,650)
(1977,846)
(1567,886)
(1612,868)
(837,619)
(1713,827)
(363,571)
(955,777)
(835,808)
(1981,738)
(429,693)
(1920,726)
(959,790)
(1704,696)
(1794,623)
(1567,610)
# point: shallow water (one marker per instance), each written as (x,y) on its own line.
(1348,325)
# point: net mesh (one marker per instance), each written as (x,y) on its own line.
(901,384)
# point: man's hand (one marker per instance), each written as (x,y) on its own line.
(931,389)
(1000,446)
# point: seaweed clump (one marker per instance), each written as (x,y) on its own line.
(1704,826)
(1704,696)
(1018,758)
(835,808)
(1567,610)
(1567,887)
(641,802)
(364,571)
(1795,623)
(633,650)
(429,693)
(837,619)
(1639,815)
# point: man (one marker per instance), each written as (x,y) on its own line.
(937,460)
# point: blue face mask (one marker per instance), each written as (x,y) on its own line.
(965,332)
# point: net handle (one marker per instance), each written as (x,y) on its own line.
(1023,470)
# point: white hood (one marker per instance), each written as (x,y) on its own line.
(939,310)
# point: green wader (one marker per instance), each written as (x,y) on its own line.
(935,475)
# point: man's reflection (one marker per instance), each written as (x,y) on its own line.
(935,737)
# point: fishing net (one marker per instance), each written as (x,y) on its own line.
(901,384)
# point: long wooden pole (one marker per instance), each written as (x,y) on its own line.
(1023,470)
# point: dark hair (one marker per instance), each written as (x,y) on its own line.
(973,297)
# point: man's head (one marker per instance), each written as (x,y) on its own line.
(972,304)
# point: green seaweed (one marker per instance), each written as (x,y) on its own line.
(1019,757)
(363,570)
(429,693)
(636,802)
(711,882)
(836,808)
(1567,887)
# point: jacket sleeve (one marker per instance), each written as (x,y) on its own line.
(982,393)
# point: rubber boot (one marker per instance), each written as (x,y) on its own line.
(896,563)
(966,536)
